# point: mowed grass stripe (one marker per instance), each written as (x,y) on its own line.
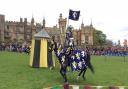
(15,72)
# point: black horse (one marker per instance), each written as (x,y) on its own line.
(67,57)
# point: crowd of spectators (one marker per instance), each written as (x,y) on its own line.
(15,47)
(110,51)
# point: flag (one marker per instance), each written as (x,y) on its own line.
(74,15)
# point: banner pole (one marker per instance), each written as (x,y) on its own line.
(68,23)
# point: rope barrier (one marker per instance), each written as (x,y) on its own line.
(67,86)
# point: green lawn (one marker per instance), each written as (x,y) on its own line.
(15,73)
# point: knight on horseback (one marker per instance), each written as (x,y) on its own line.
(69,43)
(77,59)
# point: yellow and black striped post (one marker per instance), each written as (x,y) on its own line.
(39,50)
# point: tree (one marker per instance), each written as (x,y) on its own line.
(99,38)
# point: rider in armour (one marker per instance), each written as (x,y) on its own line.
(69,40)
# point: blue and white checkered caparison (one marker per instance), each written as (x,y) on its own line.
(77,59)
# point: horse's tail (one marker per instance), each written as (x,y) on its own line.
(90,66)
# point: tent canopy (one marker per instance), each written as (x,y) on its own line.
(42,34)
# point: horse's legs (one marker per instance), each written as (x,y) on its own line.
(63,73)
(80,74)
(84,73)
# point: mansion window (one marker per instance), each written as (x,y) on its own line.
(21,30)
(28,31)
(7,26)
(28,36)
(86,38)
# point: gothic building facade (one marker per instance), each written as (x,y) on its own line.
(12,31)
(23,31)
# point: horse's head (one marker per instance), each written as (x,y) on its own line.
(52,46)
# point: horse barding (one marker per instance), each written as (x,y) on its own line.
(78,60)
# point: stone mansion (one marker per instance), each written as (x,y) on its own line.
(23,31)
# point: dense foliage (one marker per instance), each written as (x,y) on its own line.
(99,37)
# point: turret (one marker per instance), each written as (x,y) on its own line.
(62,26)
(25,20)
(60,15)
(32,21)
(82,25)
(91,23)
(44,22)
(21,20)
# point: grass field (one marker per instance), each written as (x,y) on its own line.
(15,73)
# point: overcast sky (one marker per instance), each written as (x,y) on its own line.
(110,16)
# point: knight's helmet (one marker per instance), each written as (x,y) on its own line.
(69,40)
